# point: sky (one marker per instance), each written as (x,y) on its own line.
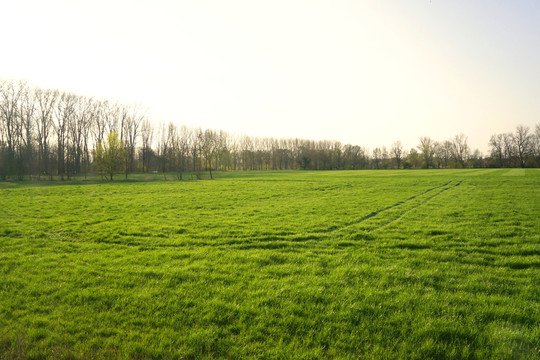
(364,72)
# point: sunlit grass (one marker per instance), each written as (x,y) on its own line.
(365,264)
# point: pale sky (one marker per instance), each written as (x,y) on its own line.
(365,72)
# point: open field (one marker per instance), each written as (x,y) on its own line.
(441,264)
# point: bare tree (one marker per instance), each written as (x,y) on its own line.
(444,153)
(522,142)
(27,111)
(209,149)
(65,108)
(427,147)
(164,141)
(246,148)
(99,110)
(385,158)
(87,123)
(509,149)
(46,100)
(10,126)
(75,140)
(536,146)
(223,153)
(336,154)
(377,157)
(147,134)
(234,147)
(131,127)
(181,150)
(196,142)
(111,115)
(476,159)
(460,150)
(397,153)
(496,144)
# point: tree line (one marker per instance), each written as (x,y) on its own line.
(46,133)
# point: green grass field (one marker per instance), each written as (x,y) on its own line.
(434,264)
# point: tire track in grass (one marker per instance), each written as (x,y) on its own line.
(373,214)
(399,216)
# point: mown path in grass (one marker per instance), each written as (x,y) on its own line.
(369,264)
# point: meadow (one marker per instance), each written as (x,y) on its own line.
(419,264)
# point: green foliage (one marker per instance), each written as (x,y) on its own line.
(110,156)
(434,264)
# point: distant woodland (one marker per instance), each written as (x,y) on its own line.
(47,133)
